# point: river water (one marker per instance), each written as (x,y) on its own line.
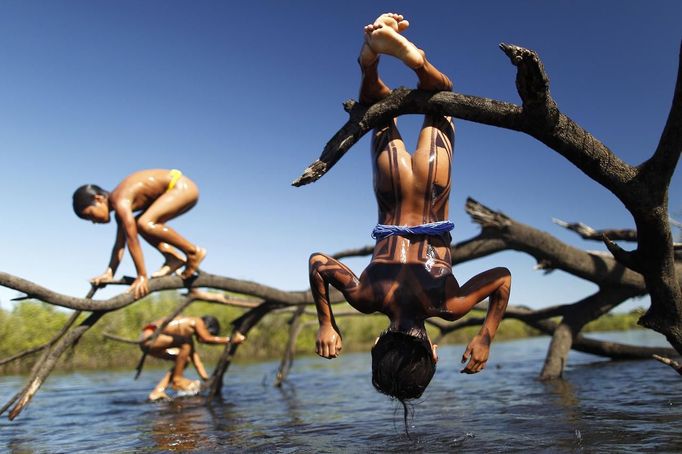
(330,406)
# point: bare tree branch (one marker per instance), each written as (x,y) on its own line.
(226,300)
(122,339)
(539,117)
(356,252)
(546,248)
(670,362)
(42,368)
(243,325)
(401,101)
(53,355)
(157,284)
(588,233)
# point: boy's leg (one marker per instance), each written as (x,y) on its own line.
(494,284)
(173,260)
(372,88)
(180,383)
(434,159)
(169,205)
(388,150)
(161,343)
(198,365)
(430,78)
(387,144)
(159,349)
(159,392)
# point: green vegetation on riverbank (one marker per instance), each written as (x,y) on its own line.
(32,323)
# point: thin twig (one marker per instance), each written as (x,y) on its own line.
(670,362)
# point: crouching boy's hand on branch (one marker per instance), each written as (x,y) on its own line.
(139,287)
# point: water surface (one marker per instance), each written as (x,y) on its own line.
(330,406)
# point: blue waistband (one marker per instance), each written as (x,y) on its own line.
(382,231)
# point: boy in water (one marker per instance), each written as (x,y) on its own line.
(175,343)
(409,278)
(158,195)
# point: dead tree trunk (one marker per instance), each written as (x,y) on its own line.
(582,313)
(243,325)
(47,365)
(295,327)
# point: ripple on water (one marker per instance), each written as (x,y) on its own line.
(330,406)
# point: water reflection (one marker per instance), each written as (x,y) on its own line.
(567,399)
(178,426)
(291,403)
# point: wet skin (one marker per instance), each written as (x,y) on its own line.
(410,276)
(142,204)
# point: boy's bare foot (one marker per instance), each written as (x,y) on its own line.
(392,20)
(193,261)
(171,265)
(396,21)
(373,88)
(383,37)
(185,387)
(157,394)
(237,338)
(181,383)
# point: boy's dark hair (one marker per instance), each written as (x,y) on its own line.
(402,365)
(212,324)
(84,196)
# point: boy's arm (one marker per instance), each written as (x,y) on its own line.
(140,287)
(493,284)
(119,247)
(116,257)
(478,349)
(205,337)
(325,270)
(199,366)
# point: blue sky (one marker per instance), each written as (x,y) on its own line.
(243,95)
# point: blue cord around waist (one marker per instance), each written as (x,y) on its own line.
(382,231)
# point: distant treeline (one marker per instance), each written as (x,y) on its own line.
(32,323)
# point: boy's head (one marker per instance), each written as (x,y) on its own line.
(403,364)
(91,202)
(212,324)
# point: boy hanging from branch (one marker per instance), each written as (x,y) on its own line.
(409,278)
